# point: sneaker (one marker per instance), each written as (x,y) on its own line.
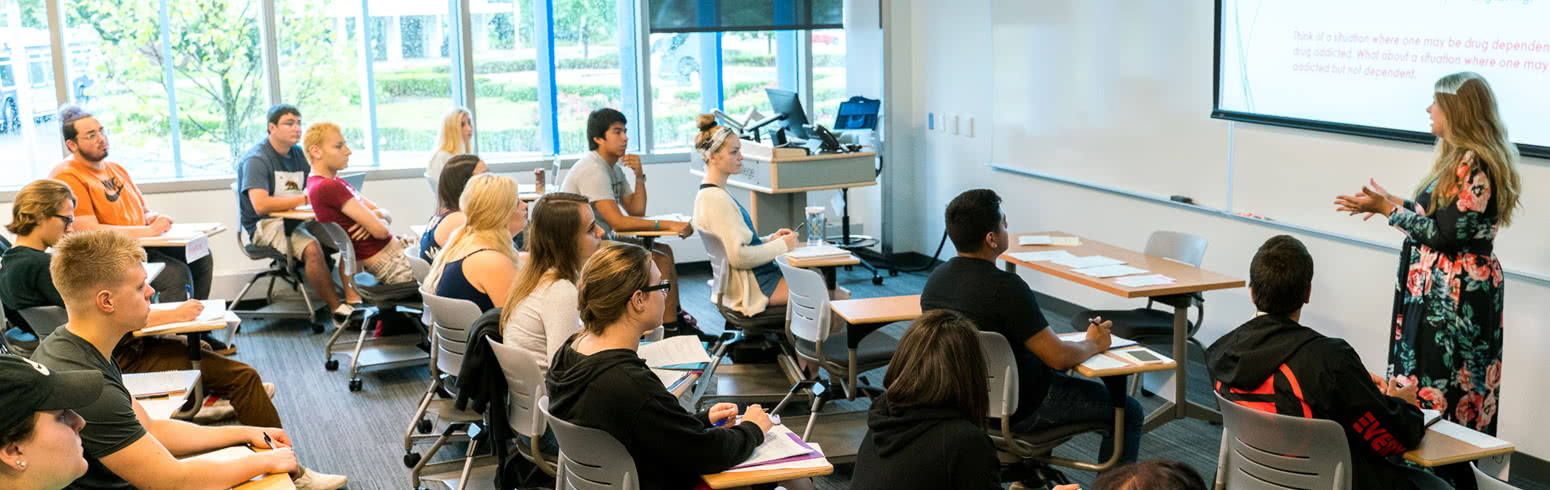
(342,314)
(312,480)
(214,412)
(269,390)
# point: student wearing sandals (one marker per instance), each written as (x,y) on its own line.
(754,281)
(449,216)
(598,380)
(928,430)
(478,262)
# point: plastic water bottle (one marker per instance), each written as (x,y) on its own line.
(554,175)
(815,226)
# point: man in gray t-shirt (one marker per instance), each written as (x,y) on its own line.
(619,209)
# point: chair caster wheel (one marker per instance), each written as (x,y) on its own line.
(424,426)
(317,327)
(355,384)
(331,365)
(411,459)
(878,280)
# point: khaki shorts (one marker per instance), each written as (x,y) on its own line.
(390,265)
(270,232)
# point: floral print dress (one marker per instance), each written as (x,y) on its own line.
(1448,302)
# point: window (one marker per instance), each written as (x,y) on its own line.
(677,65)
(320,66)
(218,81)
(412,72)
(586,62)
(27,99)
(122,81)
(751,62)
(505,59)
(828,51)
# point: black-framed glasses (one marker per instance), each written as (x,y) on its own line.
(664,287)
(67,219)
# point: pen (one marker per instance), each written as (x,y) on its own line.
(189,290)
(267,441)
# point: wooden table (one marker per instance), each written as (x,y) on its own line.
(1130,366)
(168,241)
(732,479)
(866,315)
(1438,448)
(301,213)
(1187,279)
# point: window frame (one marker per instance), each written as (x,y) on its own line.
(635,80)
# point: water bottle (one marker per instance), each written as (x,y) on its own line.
(815,226)
(554,174)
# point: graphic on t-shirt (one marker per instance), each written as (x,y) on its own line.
(287,184)
(112,189)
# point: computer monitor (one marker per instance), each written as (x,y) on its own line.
(786,102)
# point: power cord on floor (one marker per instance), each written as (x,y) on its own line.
(930,264)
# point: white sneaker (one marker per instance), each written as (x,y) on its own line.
(342,314)
(312,480)
(269,390)
(215,412)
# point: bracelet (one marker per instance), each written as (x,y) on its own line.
(658,224)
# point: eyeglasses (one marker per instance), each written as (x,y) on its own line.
(67,219)
(664,287)
(94,135)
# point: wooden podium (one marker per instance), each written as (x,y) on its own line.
(780,178)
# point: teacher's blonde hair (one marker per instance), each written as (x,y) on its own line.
(1474,125)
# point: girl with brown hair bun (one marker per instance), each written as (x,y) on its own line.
(753,281)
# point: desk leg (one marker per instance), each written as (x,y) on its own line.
(193,348)
(1180,407)
(830,278)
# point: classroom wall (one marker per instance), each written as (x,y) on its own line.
(943,64)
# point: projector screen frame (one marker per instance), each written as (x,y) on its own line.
(1318,125)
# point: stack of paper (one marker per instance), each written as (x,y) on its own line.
(1143,281)
(189,230)
(671,217)
(158,383)
(214,312)
(684,349)
(1110,271)
(1115,341)
(818,252)
(669,377)
(780,446)
(1086,262)
(1042,256)
(1033,240)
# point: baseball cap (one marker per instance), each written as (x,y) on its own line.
(27,387)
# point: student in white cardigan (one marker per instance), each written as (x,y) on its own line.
(753,281)
(541,311)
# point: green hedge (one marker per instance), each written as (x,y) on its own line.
(417,85)
(740,59)
(519,65)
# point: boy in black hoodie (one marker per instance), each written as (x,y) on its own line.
(1275,365)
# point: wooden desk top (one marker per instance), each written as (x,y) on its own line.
(877,310)
(1130,368)
(746,478)
(273,481)
(166,241)
(194,328)
(823,262)
(646,233)
(1187,278)
(303,212)
(1438,448)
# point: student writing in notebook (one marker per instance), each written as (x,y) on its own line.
(1274,364)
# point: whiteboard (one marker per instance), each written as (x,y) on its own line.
(1118,95)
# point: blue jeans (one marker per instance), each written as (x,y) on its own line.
(1073,400)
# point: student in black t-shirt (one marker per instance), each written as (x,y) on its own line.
(999,301)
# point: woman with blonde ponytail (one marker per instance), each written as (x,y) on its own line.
(1447,322)
(753,281)
(478,262)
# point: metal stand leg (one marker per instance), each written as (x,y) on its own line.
(1180,407)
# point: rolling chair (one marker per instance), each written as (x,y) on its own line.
(1262,450)
(1488,482)
(750,341)
(282,267)
(1152,326)
(525,382)
(590,459)
(451,320)
(1036,446)
(378,300)
(810,321)
(757,329)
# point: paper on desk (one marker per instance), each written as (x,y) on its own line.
(1143,281)
(817,252)
(1115,341)
(1088,261)
(816,462)
(162,408)
(779,443)
(1033,240)
(1110,271)
(1065,241)
(225,454)
(669,377)
(1042,256)
(1428,415)
(672,217)
(1100,362)
(215,311)
(189,230)
(1125,354)
(1464,434)
(158,383)
(683,349)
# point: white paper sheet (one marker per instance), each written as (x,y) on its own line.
(156,383)
(671,217)
(184,231)
(1110,271)
(1099,362)
(1042,256)
(820,251)
(777,445)
(1088,261)
(1065,241)
(1428,415)
(1143,281)
(1115,341)
(804,463)
(684,349)
(162,408)
(215,311)
(668,376)
(1126,355)
(1466,435)
(1033,240)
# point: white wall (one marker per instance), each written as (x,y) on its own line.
(940,61)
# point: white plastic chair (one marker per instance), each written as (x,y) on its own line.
(590,459)
(525,386)
(1262,450)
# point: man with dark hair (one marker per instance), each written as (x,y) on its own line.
(599,176)
(272,177)
(999,301)
(108,199)
(1276,365)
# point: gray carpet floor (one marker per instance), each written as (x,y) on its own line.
(360,434)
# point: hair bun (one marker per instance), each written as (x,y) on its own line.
(706,122)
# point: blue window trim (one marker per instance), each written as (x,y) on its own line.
(550,116)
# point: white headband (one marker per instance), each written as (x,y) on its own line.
(717,138)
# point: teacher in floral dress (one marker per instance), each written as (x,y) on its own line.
(1448,299)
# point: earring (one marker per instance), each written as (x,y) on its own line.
(22,464)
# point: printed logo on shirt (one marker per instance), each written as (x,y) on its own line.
(1379,438)
(289,184)
(112,189)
